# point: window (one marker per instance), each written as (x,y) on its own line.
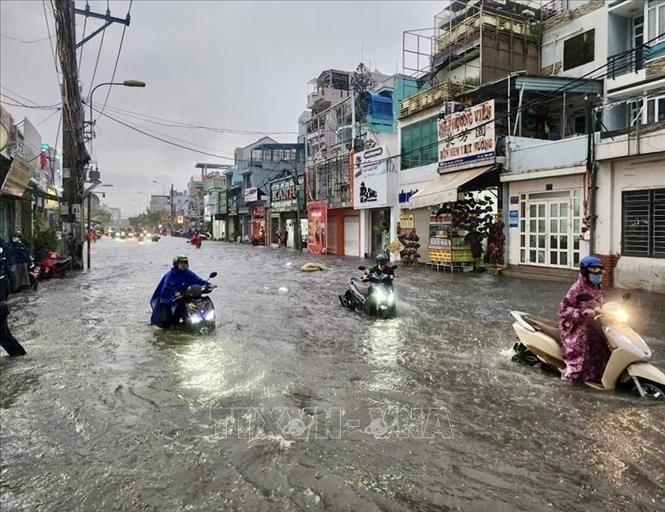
(420,143)
(579,50)
(656,20)
(643,223)
(656,110)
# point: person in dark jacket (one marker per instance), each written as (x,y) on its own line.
(7,341)
(167,310)
(19,262)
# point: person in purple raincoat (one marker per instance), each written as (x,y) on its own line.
(582,342)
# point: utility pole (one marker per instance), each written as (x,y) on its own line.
(74,154)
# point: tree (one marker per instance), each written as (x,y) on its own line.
(362,81)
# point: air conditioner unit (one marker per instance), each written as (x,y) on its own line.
(450,107)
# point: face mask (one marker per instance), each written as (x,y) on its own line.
(595,278)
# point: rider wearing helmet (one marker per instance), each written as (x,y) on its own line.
(381,267)
(166,309)
(582,343)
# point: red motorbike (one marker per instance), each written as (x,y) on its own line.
(54,265)
(196,241)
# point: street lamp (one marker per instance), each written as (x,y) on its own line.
(126,83)
(89,194)
(163,187)
(297,242)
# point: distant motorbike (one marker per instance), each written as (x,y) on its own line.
(196,241)
(200,316)
(627,368)
(374,295)
(54,265)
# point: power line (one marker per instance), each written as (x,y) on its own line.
(160,138)
(85,24)
(94,72)
(179,124)
(27,42)
(122,38)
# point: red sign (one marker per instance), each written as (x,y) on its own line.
(317,222)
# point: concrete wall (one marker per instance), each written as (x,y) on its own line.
(615,177)
(534,154)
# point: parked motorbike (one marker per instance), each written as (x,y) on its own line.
(627,368)
(34,271)
(374,295)
(54,265)
(200,316)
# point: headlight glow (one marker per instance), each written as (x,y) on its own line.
(621,315)
(391,298)
(195,319)
(210,315)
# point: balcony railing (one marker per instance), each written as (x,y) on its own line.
(430,98)
(631,61)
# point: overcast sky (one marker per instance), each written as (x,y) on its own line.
(229,65)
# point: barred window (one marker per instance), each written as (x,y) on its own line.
(643,223)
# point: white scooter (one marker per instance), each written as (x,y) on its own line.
(627,367)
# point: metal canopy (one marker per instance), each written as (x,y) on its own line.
(558,84)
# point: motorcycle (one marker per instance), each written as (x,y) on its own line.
(33,273)
(54,265)
(200,311)
(627,368)
(374,295)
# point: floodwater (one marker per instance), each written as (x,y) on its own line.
(296,404)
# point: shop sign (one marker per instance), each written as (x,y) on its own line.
(18,177)
(259,211)
(317,221)
(370,179)
(233,205)
(283,195)
(251,195)
(513,217)
(466,138)
(404,196)
(223,207)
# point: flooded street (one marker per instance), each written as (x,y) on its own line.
(295,403)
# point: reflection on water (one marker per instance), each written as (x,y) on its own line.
(383,346)
(627,447)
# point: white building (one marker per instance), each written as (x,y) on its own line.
(598,186)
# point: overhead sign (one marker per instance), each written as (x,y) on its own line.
(466,138)
(18,177)
(283,195)
(251,195)
(370,179)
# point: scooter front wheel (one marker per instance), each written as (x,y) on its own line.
(653,390)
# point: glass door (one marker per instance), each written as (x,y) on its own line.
(549,230)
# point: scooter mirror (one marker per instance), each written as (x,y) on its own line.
(394,267)
(212,274)
(362,267)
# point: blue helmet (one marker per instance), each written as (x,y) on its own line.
(589,261)
(381,258)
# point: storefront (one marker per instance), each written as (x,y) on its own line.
(283,211)
(375,196)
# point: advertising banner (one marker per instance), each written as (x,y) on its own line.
(317,221)
(370,179)
(466,138)
(18,177)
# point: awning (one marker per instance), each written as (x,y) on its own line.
(444,188)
